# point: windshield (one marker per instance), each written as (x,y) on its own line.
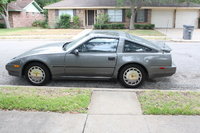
(71,44)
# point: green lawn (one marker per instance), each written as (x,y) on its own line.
(44,99)
(13,31)
(38,33)
(170,103)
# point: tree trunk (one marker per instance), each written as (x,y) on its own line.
(6,20)
(132,20)
(7,23)
(5,16)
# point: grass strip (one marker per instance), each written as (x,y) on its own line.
(44,99)
(169,103)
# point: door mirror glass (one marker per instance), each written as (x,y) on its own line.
(76,52)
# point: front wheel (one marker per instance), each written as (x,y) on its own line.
(37,74)
(132,76)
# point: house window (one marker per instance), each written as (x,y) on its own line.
(69,12)
(141,16)
(115,15)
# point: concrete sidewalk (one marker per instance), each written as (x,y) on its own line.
(176,35)
(109,112)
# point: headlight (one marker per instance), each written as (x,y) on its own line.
(15,63)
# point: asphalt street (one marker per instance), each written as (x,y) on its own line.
(186,56)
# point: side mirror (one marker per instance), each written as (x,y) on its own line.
(76,52)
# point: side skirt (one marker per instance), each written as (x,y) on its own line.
(83,78)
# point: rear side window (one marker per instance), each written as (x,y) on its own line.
(134,47)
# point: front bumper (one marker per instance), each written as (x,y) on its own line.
(12,70)
(156,71)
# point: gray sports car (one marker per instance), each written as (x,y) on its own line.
(96,55)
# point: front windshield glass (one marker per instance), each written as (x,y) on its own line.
(71,44)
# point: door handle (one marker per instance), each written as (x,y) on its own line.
(111,58)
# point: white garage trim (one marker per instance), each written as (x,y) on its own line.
(162,18)
(186,17)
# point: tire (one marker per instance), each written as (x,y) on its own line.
(37,74)
(136,72)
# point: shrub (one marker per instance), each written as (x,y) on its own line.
(128,13)
(2,25)
(109,26)
(198,22)
(40,23)
(102,19)
(36,23)
(144,26)
(76,22)
(118,26)
(64,21)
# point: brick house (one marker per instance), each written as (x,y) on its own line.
(22,13)
(162,15)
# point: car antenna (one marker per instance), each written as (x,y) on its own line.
(166,31)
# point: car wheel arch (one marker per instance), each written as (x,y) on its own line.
(132,63)
(34,61)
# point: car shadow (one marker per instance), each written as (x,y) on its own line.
(165,83)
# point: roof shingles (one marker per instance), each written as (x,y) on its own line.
(110,3)
(18,5)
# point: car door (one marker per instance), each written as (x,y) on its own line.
(95,57)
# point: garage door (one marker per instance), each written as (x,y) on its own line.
(162,18)
(186,17)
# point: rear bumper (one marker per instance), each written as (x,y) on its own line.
(162,71)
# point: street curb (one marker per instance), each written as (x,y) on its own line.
(185,41)
(108,89)
(65,40)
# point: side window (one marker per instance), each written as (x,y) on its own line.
(134,47)
(99,45)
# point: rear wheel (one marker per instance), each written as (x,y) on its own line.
(132,76)
(37,74)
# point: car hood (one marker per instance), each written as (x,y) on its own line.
(45,49)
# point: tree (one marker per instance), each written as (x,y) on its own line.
(4,11)
(136,5)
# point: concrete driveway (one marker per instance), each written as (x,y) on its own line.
(185,55)
(177,34)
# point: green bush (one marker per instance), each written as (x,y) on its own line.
(144,26)
(64,21)
(198,22)
(118,26)
(109,26)
(76,22)
(128,13)
(40,23)
(2,25)
(102,19)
